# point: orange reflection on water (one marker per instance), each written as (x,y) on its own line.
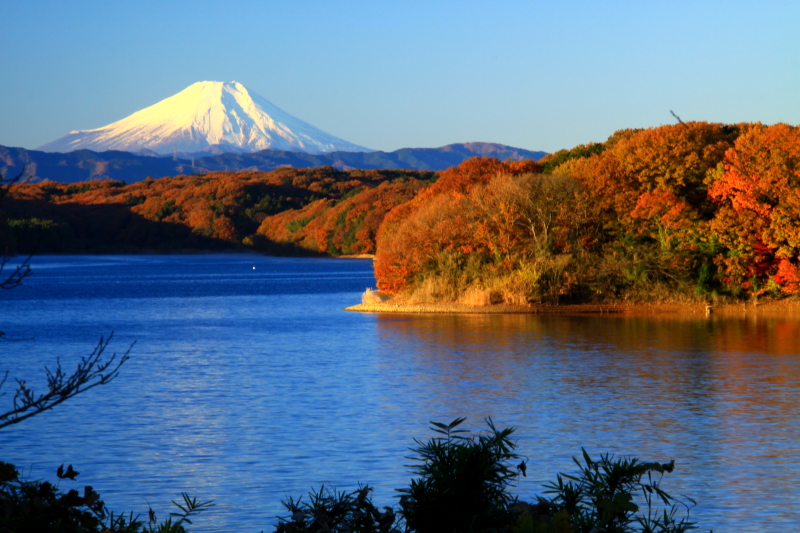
(720,369)
(720,395)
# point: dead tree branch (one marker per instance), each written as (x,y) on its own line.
(91,372)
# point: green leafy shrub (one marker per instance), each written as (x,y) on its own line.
(602,497)
(463,481)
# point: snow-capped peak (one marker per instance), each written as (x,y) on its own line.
(224,115)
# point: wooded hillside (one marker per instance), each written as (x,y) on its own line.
(293,211)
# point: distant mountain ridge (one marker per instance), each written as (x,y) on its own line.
(211,116)
(83,165)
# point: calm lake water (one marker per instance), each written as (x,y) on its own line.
(246,386)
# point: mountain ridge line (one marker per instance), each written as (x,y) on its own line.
(83,165)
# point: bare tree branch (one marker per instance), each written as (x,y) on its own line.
(23,270)
(678,118)
(6,183)
(91,372)
(15,278)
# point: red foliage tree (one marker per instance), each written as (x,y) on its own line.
(758,191)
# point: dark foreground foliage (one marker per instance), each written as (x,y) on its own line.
(41,507)
(462,481)
(328,510)
(463,488)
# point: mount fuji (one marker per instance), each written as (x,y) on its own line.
(211,117)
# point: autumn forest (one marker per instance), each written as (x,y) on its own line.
(686,212)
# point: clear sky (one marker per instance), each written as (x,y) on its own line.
(540,75)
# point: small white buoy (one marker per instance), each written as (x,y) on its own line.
(254,268)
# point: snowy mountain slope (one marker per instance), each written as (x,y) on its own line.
(206,116)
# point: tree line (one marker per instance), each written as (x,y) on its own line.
(685,212)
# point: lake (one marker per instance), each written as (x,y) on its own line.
(248,383)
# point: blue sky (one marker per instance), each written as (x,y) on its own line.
(388,75)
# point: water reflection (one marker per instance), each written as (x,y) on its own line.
(247,386)
(720,396)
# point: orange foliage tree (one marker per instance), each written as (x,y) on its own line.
(650,190)
(455,217)
(667,165)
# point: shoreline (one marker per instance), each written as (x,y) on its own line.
(771,309)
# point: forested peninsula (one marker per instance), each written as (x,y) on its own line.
(681,213)
(690,212)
